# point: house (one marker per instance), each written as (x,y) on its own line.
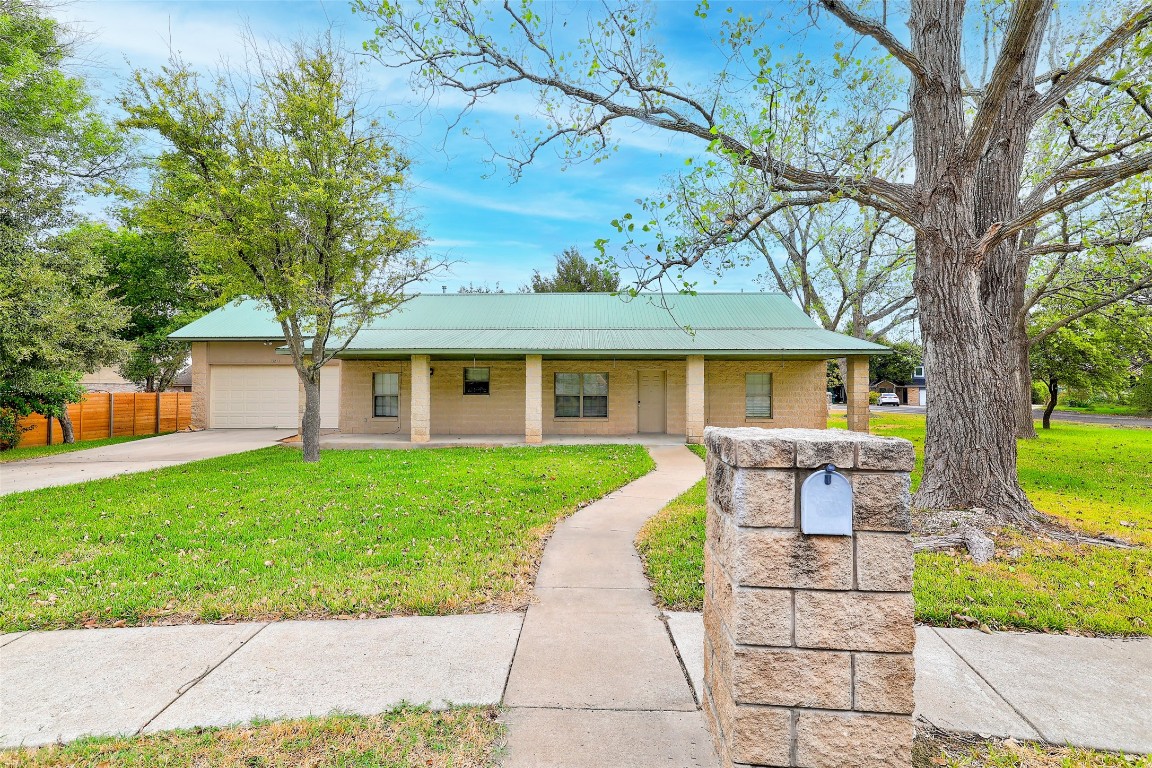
(913,392)
(537,365)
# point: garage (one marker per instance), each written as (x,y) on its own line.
(250,396)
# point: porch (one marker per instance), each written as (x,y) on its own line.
(347,441)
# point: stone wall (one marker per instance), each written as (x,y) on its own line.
(808,639)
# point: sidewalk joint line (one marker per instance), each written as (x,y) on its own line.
(515,650)
(1043,736)
(192,683)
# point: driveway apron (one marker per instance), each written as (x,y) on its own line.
(596,680)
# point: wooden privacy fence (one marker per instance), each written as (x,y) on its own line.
(112,414)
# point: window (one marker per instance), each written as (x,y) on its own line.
(476,381)
(758,396)
(582,395)
(918,372)
(386,394)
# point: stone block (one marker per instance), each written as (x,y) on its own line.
(761,736)
(792,678)
(882,502)
(764,497)
(750,447)
(761,616)
(889,454)
(849,740)
(855,621)
(760,557)
(884,682)
(811,454)
(883,562)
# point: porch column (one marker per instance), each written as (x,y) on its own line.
(856,390)
(421,403)
(694,399)
(533,399)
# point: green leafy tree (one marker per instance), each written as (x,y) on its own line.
(575,274)
(1091,353)
(153,275)
(56,317)
(898,366)
(285,189)
(1142,392)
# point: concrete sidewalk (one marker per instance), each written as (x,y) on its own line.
(133,456)
(58,686)
(1087,692)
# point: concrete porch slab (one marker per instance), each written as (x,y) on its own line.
(352,441)
(301,668)
(61,685)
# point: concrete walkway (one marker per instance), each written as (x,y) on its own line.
(133,456)
(596,680)
(1088,692)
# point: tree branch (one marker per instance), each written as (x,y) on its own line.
(878,32)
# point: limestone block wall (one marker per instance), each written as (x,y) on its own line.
(356,397)
(799,393)
(808,639)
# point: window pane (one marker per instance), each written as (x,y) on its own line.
(476,381)
(595,406)
(758,396)
(595,384)
(567,406)
(759,384)
(567,384)
(386,405)
(385,383)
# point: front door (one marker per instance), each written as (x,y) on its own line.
(650,402)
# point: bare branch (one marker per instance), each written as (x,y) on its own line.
(1064,82)
(878,32)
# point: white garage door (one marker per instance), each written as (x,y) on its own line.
(255,396)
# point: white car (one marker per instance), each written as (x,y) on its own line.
(888,398)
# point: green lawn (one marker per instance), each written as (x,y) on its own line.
(409,737)
(262,535)
(1095,477)
(1105,409)
(36,451)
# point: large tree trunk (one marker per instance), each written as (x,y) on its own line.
(310,426)
(66,429)
(969,294)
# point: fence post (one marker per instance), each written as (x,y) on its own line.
(111,415)
(157,426)
(49,437)
(808,638)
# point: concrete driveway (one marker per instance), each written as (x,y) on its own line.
(134,456)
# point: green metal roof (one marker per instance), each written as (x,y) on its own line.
(730,324)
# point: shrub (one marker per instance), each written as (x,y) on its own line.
(1142,393)
(873,397)
(10,429)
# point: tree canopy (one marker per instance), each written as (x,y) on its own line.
(284,188)
(575,274)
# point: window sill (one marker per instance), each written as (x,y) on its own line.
(580,418)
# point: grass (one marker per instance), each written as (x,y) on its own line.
(1105,409)
(36,451)
(409,737)
(954,751)
(1094,477)
(261,535)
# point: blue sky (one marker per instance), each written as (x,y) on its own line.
(495,231)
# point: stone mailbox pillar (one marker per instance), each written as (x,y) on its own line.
(808,639)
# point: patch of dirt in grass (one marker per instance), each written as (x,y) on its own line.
(467,737)
(940,749)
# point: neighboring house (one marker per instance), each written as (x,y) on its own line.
(106,379)
(109,380)
(537,365)
(914,392)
